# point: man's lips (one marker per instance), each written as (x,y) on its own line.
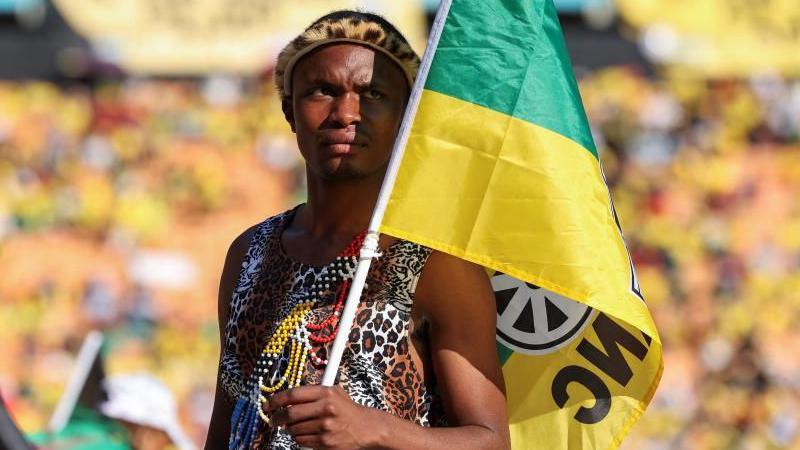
(341,143)
(332,137)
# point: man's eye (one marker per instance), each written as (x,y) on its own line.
(373,94)
(322,91)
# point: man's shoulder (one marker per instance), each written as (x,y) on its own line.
(444,273)
(276,220)
(241,243)
(439,261)
(435,262)
(266,226)
(405,246)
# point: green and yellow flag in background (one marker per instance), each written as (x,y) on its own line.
(500,169)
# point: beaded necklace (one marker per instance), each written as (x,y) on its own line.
(281,363)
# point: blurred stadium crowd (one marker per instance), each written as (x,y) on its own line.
(705,177)
(116,208)
(127,181)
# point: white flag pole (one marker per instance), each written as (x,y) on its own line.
(369,249)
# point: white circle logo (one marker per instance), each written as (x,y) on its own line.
(533,320)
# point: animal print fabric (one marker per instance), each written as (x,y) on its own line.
(377,369)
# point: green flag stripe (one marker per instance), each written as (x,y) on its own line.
(500,55)
(503,353)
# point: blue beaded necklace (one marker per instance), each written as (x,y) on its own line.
(283,359)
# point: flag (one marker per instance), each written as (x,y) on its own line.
(500,169)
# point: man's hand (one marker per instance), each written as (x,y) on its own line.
(323,417)
(456,298)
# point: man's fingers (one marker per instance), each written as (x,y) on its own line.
(309,441)
(312,427)
(303,394)
(297,413)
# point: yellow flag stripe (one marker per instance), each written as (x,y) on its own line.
(515,197)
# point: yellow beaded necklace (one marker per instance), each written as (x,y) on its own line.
(298,334)
(282,362)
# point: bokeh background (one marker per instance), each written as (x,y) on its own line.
(139,137)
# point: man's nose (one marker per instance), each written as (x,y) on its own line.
(347,109)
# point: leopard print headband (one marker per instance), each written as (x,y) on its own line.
(346,26)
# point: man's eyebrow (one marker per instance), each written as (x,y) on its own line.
(374,82)
(317,79)
(321,80)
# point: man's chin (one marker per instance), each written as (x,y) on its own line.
(346,169)
(342,172)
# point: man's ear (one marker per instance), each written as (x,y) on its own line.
(288,112)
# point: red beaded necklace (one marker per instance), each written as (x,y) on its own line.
(349,254)
(276,368)
(282,362)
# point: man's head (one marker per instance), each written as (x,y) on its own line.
(344,83)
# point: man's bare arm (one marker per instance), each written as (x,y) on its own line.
(219,427)
(457,298)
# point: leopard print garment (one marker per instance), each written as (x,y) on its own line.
(377,369)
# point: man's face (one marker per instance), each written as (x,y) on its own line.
(346,106)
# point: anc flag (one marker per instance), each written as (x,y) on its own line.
(500,169)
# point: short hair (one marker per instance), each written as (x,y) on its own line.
(346,26)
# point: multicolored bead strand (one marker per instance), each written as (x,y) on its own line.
(275,369)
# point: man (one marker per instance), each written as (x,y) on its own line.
(420,370)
